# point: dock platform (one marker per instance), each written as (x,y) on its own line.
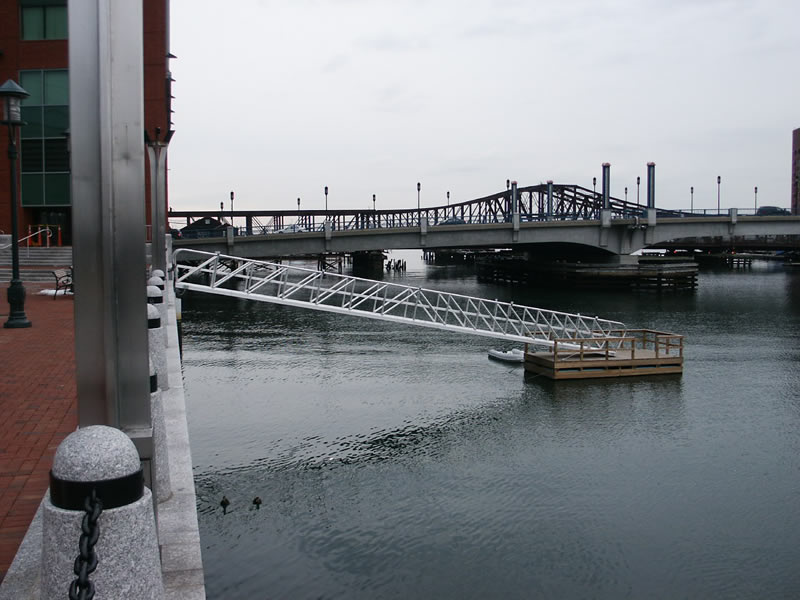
(637,352)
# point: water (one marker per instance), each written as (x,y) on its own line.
(399,462)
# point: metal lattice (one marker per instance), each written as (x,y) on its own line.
(307,288)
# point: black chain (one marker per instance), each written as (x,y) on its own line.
(86,562)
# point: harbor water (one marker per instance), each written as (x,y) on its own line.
(400,462)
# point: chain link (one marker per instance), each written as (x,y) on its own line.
(86,562)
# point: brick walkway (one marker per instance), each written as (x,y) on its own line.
(38,404)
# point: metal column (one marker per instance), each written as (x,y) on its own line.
(606,186)
(157,157)
(549,199)
(651,185)
(108,214)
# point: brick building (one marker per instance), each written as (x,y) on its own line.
(34,53)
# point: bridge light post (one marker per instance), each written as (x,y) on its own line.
(638,181)
(373,201)
(755,198)
(448,198)
(594,186)
(326,199)
(231,208)
(11,96)
(419,187)
(626,193)
(719,181)
(508,184)
(691,199)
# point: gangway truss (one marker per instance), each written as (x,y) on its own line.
(318,290)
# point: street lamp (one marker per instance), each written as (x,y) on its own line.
(298,204)
(594,186)
(11,95)
(508,184)
(231,208)
(719,180)
(755,200)
(448,198)
(373,201)
(626,193)
(326,198)
(638,181)
(691,199)
(419,187)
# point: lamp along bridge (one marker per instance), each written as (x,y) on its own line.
(585,337)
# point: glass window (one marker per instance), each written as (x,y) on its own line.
(56,87)
(45,20)
(56,157)
(56,188)
(32,189)
(33,23)
(56,120)
(31,156)
(32,115)
(31,81)
(55,23)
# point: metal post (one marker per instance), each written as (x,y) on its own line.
(691,199)
(231,208)
(16,291)
(448,198)
(157,155)
(419,187)
(755,198)
(108,216)
(719,181)
(651,185)
(638,179)
(549,199)
(326,200)
(606,186)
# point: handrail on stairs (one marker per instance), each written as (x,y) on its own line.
(27,237)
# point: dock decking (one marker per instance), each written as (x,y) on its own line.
(637,352)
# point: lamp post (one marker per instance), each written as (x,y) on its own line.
(231,208)
(691,199)
(626,193)
(448,198)
(755,198)
(326,199)
(508,184)
(373,201)
(638,181)
(419,187)
(594,186)
(11,95)
(719,181)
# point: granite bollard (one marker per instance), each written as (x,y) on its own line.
(100,461)
(161,480)
(156,340)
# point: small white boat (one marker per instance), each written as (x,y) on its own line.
(514,355)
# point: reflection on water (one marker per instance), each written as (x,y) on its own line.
(401,463)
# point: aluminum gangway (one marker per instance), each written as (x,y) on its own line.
(318,290)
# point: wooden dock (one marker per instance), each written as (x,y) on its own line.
(636,352)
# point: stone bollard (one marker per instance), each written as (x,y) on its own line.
(100,462)
(156,340)
(161,479)
(156,297)
(156,281)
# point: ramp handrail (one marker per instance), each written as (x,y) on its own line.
(308,288)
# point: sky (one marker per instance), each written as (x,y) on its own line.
(276,99)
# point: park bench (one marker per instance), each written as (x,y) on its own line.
(63,280)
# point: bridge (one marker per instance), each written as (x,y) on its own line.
(289,285)
(545,215)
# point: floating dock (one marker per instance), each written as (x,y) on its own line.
(636,352)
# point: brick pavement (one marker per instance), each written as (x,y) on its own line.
(38,407)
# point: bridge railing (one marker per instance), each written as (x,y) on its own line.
(307,288)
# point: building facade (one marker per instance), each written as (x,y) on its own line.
(33,52)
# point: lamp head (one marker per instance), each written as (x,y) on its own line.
(11,96)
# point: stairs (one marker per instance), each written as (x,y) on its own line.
(36,264)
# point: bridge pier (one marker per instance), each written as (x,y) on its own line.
(368,264)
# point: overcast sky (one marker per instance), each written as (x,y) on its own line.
(275,99)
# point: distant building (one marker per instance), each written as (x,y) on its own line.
(796,172)
(33,52)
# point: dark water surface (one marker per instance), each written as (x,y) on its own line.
(399,462)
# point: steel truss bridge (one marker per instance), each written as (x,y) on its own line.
(317,290)
(541,202)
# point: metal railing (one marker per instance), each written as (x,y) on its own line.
(44,230)
(307,288)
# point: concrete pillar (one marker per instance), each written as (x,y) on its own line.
(248,224)
(100,462)
(157,344)
(606,186)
